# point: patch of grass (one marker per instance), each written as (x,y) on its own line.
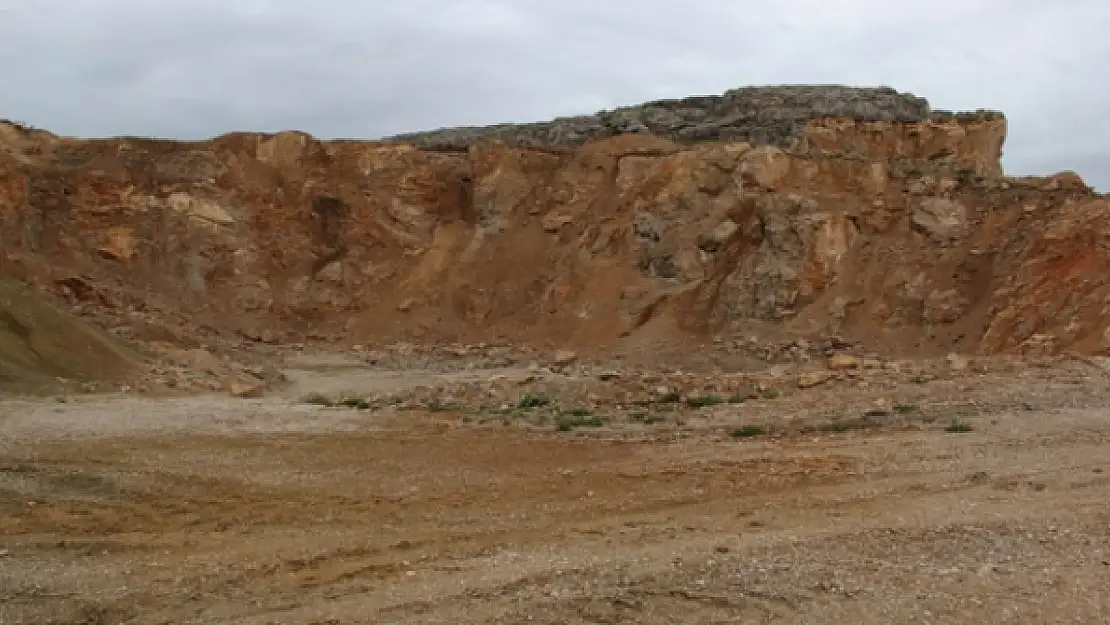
(979,477)
(533,400)
(579,412)
(959,427)
(845,425)
(358,403)
(647,418)
(569,423)
(770,394)
(669,398)
(442,407)
(704,401)
(318,399)
(737,399)
(748,431)
(876,412)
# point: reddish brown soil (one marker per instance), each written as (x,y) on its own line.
(214,510)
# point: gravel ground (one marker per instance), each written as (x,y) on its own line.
(210,509)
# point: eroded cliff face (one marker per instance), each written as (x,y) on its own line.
(898,232)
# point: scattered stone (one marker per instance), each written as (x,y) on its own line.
(941,219)
(554,222)
(245,388)
(564,357)
(957,362)
(814,378)
(841,362)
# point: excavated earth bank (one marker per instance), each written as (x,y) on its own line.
(774,211)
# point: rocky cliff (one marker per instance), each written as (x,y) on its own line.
(781,211)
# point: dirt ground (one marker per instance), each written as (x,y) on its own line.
(985,499)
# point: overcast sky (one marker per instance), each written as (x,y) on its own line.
(368,68)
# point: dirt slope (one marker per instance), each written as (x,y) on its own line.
(39,345)
(889,224)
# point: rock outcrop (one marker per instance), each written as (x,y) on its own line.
(807,210)
(876,123)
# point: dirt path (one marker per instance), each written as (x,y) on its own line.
(214,510)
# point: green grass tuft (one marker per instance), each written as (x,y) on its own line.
(569,423)
(704,401)
(533,400)
(318,399)
(358,403)
(748,431)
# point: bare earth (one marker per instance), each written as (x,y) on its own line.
(209,509)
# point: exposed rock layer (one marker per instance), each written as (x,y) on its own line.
(891,224)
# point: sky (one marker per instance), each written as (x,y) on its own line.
(193,69)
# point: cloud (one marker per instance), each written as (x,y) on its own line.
(197,68)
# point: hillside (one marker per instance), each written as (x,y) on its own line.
(43,349)
(774,212)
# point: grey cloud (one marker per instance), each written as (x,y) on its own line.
(367,68)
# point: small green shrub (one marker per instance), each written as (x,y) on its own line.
(748,431)
(959,427)
(737,399)
(358,403)
(704,401)
(318,399)
(669,398)
(568,423)
(770,394)
(847,425)
(533,400)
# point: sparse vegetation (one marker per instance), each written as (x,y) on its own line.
(703,401)
(737,399)
(579,412)
(647,418)
(845,425)
(670,398)
(905,408)
(318,399)
(533,400)
(770,394)
(444,407)
(959,427)
(748,431)
(357,403)
(567,423)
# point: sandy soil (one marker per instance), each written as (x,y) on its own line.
(217,510)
